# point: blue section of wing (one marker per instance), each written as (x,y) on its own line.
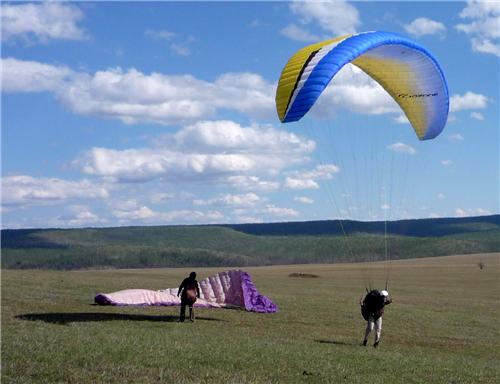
(345,52)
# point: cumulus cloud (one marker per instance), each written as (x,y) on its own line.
(148,216)
(78,216)
(354,90)
(294,32)
(139,213)
(308,179)
(244,182)
(144,164)
(424,26)
(133,211)
(303,199)
(23,190)
(455,137)
(334,17)
(446,163)
(462,212)
(160,34)
(32,76)
(248,199)
(402,148)
(134,97)
(176,44)
(260,214)
(213,150)
(401,119)
(477,116)
(280,212)
(41,22)
(294,183)
(441,196)
(469,100)
(224,135)
(482,21)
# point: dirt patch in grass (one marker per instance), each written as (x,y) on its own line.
(300,274)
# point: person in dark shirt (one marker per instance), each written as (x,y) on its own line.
(372,309)
(189,291)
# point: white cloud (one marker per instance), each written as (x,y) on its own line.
(308,179)
(446,163)
(244,218)
(441,196)
(402,119)
(294,32)
(252,183)
(385,207)
(31,76)
(130,211)
(484,24)
(181,49)
(477,116)
(485,46)
(208,150)
(460,212)
(483,21)
(469,100)
(144,164)
(456,137)
(224,136)
(79,216)
(160,34)
(23,190)
(175,43)
(321,172)
(303,199)
(294,183)
(140,213)
(335,17)
(243,200)
(134,97)
(354,90)
(424,26)
(280,212)
(41,21)
(402,148)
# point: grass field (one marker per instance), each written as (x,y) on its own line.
(443,327)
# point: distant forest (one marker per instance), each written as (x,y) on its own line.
(247,244)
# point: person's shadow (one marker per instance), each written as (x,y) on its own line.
(333,342)
(72,317)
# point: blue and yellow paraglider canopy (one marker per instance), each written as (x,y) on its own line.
(405,69)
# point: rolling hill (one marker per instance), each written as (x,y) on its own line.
(247,244)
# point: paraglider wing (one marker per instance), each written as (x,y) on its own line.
(405,69)
(230,289)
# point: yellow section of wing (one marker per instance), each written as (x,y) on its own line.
(290,74)
(400,81)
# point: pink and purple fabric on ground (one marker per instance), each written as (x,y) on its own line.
(230,289)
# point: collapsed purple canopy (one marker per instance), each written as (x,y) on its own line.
(230,289)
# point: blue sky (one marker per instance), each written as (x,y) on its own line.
(124,113)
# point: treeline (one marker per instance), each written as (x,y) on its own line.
(415,227)
(228,246)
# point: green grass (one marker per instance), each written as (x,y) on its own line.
(443,327)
